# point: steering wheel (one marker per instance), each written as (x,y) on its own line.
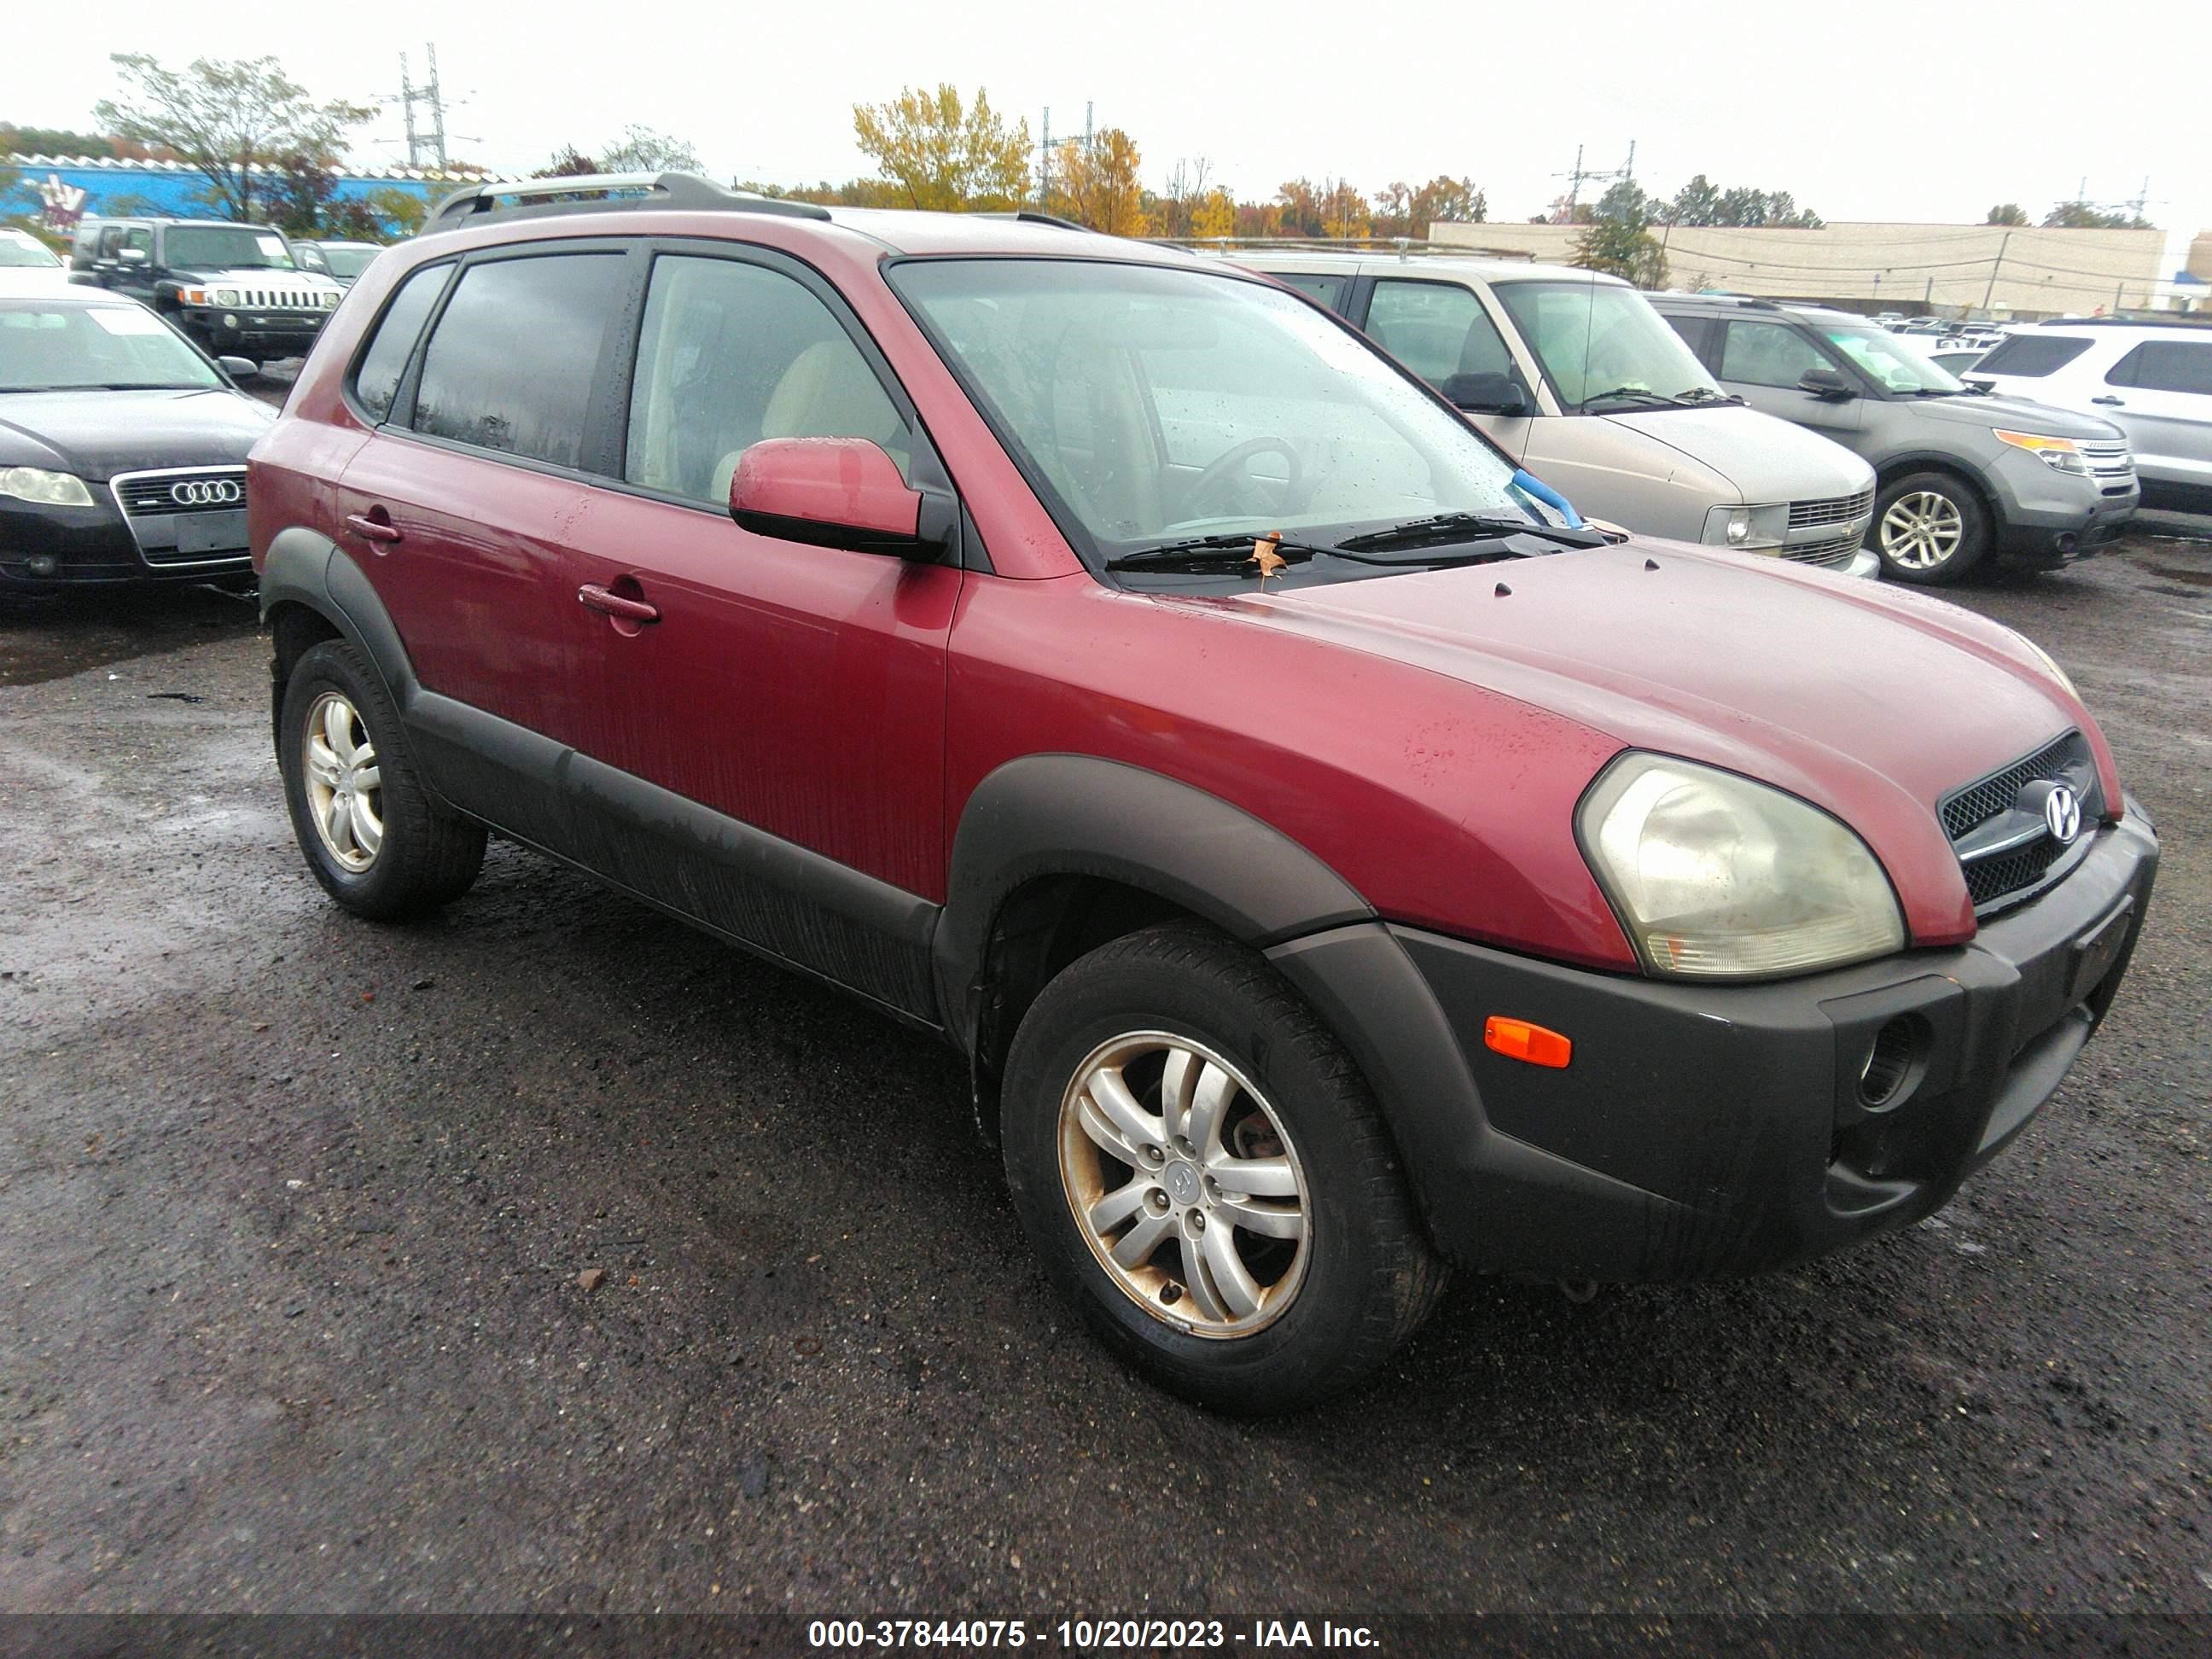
(1220,470)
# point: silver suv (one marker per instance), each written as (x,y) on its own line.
(1961,474)
(2153,380)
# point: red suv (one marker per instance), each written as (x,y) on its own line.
(1333,861)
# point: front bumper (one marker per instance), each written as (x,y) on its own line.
(1703,1131)
(2051,518)
(255,334)
(46,550)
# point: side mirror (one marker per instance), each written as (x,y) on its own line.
(239,368)
(1828,385)
(133,256)
(836,492)
(1487,394)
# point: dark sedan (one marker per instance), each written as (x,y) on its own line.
(122,447)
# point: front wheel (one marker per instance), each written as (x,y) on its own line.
(1929,528)
(1206,1176)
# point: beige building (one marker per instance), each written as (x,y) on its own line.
(1951,271)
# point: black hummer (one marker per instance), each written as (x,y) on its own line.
(234,288)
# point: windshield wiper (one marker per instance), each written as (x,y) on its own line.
(1631,394)
(1704,394)
(1201,552)
(1463,526)
(141,386)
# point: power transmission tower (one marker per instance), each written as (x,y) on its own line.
(1044,165)
(426,136)
(437,109)
(1582,175)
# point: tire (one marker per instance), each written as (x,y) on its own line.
(1336,1270)
(418,856)
(1929,528)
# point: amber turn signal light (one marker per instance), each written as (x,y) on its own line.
(1516,1039)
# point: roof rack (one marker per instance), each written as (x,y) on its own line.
(1031,217)
(604,193)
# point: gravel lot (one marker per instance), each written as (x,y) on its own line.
(292,1210)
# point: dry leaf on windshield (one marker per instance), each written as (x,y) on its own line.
(1265,556)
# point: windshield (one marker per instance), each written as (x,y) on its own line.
(1600,343)
(1153,404)
(349,262)
(65,348)
(1891,362)
(227,248)
(18,249)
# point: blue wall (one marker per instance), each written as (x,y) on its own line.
(176,190)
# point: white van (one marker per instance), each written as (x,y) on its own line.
(1576,376)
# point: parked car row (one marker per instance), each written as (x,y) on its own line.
(1334,862)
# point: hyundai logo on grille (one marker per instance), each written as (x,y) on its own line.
(2062,814)
(206,492)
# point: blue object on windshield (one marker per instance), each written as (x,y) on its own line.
(1529,484)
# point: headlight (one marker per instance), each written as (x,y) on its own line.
(331,298)
(2059,454)
(31,483)
(225,297)
(1751,528)
(1715,877)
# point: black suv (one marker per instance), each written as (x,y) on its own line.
(234,288)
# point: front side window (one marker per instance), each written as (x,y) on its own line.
(376,382)
(346,262)
(1155,404)
(510,364)
(1436,329)
(2166,366)
(732,353)
(2031,356)
(1603,348)
(1889,361)
(1768,354)
(227,248)
(84,347)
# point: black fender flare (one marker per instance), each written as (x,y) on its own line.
(1080,815)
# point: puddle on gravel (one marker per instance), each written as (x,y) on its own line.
(2194,578)
(48,637)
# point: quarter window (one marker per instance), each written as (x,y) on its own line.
(1438,330)
(732,353)
(1329,290)
(510,364)
(2166,366)
(377,381)
(1769,354)
(2031,356)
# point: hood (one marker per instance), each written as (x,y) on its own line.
(36,279)
(1817,684)
(252,277)
(1766,460)
(2018,415)
(97,435)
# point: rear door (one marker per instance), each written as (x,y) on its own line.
(2161,394)
(464,507)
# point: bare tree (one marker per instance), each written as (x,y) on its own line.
(226,118)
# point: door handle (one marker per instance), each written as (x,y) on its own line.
(373,530)
(592,596)
(2114,402)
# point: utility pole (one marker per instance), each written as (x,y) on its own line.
(437,110)
(407,103)
(1086,127)
(1044,165)
(1996,265)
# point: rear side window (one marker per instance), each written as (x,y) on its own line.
(2166,366)
(376,382)
(1329,290)
(1438,330)
(510,364)
(732,353)
(1697,332)
(2031,356)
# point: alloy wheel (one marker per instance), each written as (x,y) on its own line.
(1184,1184)
(1922,530)
(344,794)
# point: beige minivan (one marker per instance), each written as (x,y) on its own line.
(1578,379)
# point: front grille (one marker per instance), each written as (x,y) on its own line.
(2112,465)
(1840,550)
(2005,850)
(1837,509)
(143,494)
(278,299)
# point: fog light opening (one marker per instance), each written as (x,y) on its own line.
(44,564)
(1889,1062)
(2067,542)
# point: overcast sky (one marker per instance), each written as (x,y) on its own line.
(1877,110)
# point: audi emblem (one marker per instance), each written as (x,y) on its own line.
(2062,814)
(207,492)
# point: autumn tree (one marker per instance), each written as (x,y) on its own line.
(2007,213)
(1100,188)
(640,150)
(941,153)
(225,118)
(1619,239)
(2087,216)
(1406,210)
(1213,215)
(568,163)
